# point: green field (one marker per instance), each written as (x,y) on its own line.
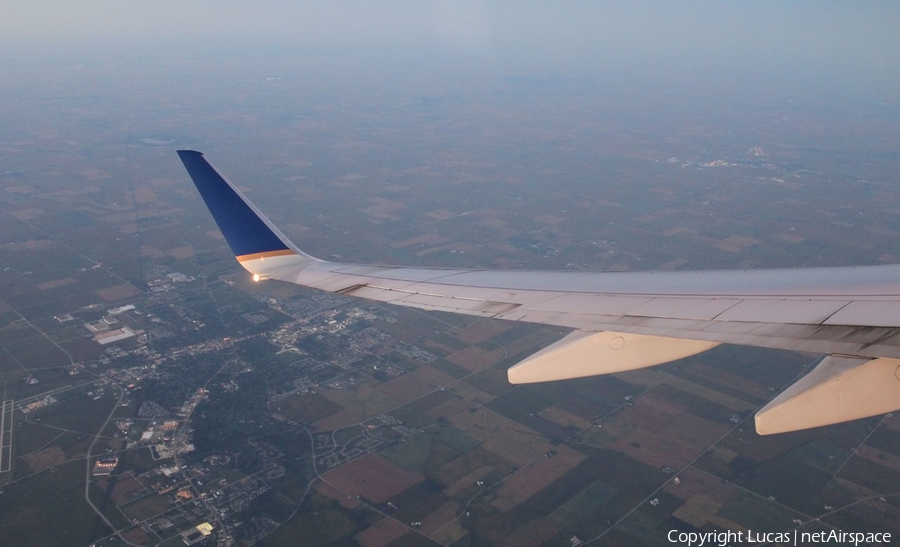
(145,508)
(51,510)
(80,412)
(322,522)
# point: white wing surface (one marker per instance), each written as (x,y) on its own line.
(628,320)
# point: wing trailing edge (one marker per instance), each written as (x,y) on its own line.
(626,321)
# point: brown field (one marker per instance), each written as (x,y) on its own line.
(118,292)
(329,491)
(731,380)
(869,474)
(178,253)
(283,291)
(474,358)
(440,214)
(531,341)
(470,393)
(787,236)
(675,445)
(449,409)
(383,208)
(611,430)
(403,388)
(492,380)
(698,430)
(479,331)
(143,194)
(459,470)
(697,511)
(651,412)
(359,405)
(151,251)
(710,394)
(409,325)
(123,487)
(437,348)
(431,400)
(372,477)
(529,480)
(644,446)
(55,283)
(78,449)
(21,189)
(433,375)
(485,424)
(563,418)
(880,457)
(450,534)
(764,448)
(444,248)
(582,405)
(28,245)
(549,219)
(137,536)
(82,349)
(893,424)
(381,533)
(95,174)
(440,517)
(118,218)
(643,377)
(340,419)
(859,492)
(673,264)
(724,245)
(27,214)
(518,446)
(533,534)
(695,482)
(426,239)
(310,407)
(467,481)
(44,459)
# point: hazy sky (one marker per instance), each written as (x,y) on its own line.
(850,38)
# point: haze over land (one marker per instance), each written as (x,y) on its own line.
(505,135)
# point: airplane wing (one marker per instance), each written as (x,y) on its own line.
(627,320)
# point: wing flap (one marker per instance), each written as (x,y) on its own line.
(684,308)
(458,305)
(868,312)
(424,301)
(591,303)
(839,389)
(810,312)
(582,353)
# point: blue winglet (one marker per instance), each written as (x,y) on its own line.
(247,231)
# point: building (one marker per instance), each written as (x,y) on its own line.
(105,466)
(196,534)
(120,309)
(113,336)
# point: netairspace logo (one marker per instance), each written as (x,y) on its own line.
(730,538)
